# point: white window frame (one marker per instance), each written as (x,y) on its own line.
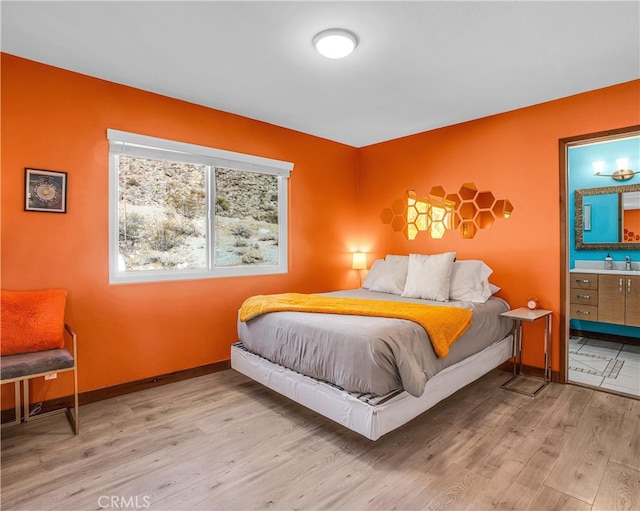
(142,146)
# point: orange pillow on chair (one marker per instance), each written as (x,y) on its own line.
(32,320)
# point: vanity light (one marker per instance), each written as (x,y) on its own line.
(335,43)
(622,174)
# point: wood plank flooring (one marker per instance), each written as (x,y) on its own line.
(223,442)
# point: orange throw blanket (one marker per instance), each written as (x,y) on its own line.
(443,324)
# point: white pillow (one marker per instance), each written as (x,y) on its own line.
(392,277)
(374,271)
(469,281)
(429,277)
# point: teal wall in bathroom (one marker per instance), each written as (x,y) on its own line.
(602,230)
(581,175)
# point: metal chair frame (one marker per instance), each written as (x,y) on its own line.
(71,343)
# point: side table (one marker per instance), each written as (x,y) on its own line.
(524,314)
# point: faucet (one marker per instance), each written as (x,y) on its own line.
(627,263)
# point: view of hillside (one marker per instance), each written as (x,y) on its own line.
(162,216)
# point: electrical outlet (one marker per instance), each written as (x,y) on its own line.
(51,376)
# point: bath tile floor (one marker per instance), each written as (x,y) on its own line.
(605,364)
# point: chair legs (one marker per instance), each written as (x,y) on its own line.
(18,407)
(25,415)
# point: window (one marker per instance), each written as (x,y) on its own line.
(182,211)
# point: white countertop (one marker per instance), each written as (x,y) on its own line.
(605,272)
(598,267)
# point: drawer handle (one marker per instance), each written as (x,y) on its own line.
(629,285)
(583,281)
(586,297)
(583,312)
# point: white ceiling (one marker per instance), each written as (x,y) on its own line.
(419,65)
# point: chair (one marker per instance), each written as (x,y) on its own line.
(36,315)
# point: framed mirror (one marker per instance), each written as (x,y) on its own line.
(608,218)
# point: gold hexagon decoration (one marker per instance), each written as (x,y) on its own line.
(438,229)
(455,221)
(468,230)
(484,219)
(468,211)
(398,223)
(502,208)
(455,199)
(484,200)
(410,231)
(468,191)
(398,206)
(386,216)
(438,191)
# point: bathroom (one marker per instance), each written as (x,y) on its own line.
(603,248)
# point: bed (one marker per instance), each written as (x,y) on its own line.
(373,374)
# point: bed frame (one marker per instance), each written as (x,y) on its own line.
(372,421)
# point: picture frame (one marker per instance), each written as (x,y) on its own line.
(45,190)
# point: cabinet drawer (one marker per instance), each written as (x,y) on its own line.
(584,297)
(588,312)
(583,281)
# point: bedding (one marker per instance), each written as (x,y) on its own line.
(391,275)
(429,276)
(369,354)
(444,325)
(466,280)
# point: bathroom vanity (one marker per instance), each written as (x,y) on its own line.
(605,296)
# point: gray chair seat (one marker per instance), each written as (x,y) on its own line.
(31,364)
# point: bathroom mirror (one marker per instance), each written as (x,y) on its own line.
(608,218)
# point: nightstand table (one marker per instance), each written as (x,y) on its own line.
(520,315)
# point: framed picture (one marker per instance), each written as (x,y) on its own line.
(45,190)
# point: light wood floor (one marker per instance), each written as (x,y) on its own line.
(222,441)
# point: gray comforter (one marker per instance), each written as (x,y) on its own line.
(368,354)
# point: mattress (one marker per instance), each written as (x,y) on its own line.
(368,355)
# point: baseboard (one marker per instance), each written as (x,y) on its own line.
(91,396)
(606,337)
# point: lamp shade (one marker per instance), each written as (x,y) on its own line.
(359,261)
(598,167)
(622,163)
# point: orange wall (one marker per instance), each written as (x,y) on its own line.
(515,156)
(57,120)
(632,222)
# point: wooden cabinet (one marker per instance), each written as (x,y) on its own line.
(612,299)
(584,296)
(619,299)
(605,298)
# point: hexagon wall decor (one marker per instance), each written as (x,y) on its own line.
(466,211)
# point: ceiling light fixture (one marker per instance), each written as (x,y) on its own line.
(335,43)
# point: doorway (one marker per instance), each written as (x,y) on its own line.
(595,354)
